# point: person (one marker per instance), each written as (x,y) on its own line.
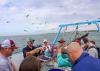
(6,49)
(62,57)
(61,43)
(81,61)
(46,48)
(90,47)
(30,63)
(29,47)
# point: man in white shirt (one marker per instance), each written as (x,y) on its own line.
(90,48)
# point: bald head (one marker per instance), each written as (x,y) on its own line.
(74,46)
(74,51)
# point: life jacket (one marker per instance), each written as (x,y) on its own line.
(98,49)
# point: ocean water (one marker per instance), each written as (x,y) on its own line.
(68,37)
(20,41)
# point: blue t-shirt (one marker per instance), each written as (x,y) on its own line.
(86,63)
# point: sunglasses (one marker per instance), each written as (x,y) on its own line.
(13,45)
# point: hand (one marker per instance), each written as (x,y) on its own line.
(28,54)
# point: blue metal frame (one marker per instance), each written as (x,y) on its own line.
(58,34)
(73,24)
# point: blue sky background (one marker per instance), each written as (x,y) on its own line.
(20,17)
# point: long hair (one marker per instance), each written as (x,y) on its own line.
(30,64)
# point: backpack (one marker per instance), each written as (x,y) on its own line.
(98,50)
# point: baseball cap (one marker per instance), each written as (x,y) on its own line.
(8,44)
(45,40)
(61,40)
(30,39)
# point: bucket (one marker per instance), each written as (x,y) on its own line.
(55,70)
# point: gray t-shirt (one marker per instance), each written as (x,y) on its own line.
(5,64)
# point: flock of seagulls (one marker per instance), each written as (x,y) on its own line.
(27,16)
(37,18)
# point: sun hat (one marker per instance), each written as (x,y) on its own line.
(61,40)
(30,39)
(45,40)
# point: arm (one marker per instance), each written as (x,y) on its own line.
(30,53)
(62,62)
(24,52)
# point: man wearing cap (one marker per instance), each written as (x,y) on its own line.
(90,47)
(29,48)
(6,49)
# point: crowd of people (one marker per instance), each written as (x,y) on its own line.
(77,56)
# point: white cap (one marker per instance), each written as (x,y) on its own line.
(45,40)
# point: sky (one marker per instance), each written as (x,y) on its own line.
(25,17)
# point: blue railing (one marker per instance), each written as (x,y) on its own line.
(73,24)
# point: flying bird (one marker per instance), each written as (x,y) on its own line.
(98,18)
(25,30)
(60,6)
(37,18)
(40,23)
(27,15)
(7,21)
(33,23)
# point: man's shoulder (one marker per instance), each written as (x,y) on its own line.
(87,61)
(26,48)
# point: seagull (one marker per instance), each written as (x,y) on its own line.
(27,15)
(37,18)
(40,23)
(98,18)
(7,21)
(33,23)
(45,22)
(25,31)
(61,6)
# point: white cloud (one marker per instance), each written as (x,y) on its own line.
(13,9)
(2,2)
(51,12)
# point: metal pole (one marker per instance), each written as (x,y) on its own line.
(58,34)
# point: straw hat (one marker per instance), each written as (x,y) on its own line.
(61,40)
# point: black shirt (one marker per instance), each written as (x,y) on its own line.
(27,49)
